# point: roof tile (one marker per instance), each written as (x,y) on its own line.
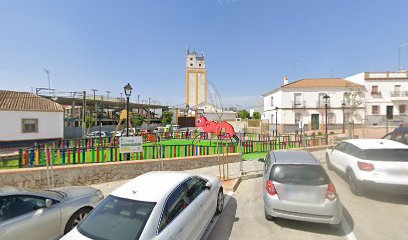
(24,101)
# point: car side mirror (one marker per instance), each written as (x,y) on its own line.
(48,203)
(261,160)
(208,185)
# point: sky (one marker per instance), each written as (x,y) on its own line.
(250,45)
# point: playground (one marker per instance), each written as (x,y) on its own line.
(82,151)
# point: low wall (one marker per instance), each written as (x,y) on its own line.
(86,174)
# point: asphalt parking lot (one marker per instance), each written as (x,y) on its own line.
(375,215)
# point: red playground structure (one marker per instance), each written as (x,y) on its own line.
(222,130)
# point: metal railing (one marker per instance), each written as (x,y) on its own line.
(399,93)
(298,104)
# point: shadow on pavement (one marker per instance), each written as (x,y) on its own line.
(380,196)
(319,228)
(401,199)
(222,230)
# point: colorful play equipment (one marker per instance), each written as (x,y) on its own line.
(221,129)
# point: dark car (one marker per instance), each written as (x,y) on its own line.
(400,134)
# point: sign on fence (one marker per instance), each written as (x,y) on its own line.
(131,144)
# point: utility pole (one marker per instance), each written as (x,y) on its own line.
(84,114)
(108,94)
(94,90)
(48,78)
(95,106)
(148,116)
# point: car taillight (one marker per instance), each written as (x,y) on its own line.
(331,192)
(270,188)
(365,166)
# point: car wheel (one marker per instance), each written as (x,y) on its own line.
(220,202)
(329,165)
(77,218)
(353,184)
(267,216)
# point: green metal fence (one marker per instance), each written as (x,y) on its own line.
(80,151)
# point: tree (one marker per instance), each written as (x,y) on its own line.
(244,114)
(167,117)
(256,115)
(90,121)
(139,119)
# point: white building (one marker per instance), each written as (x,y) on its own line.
(27,118)
(212,113)
(302,100)
(384,90)
(196,79)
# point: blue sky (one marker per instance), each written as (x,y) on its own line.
(249,44)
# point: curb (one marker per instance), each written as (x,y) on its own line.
(245,177)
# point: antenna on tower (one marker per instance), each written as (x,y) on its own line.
(187,50)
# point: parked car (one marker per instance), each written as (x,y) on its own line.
(118,133)
(155,205)
(97,134)
(295,186)
(400,134)
(132,131)
(49,214)
(371,163)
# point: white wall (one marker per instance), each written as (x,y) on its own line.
(284,99)
(50,125)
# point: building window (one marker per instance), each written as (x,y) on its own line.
(402,109)
(191,59)
(298,118)
(375,109)
(191,64)
(374,89)
(199,64)
(271,101)
(29,125)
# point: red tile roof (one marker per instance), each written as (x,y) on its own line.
(24,101)
(322,83)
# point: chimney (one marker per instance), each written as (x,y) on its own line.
(285,80)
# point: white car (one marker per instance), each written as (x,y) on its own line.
(155,205)
(371,163)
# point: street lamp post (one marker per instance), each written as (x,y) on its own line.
(128,92)
(326,99)
(343,105)
(276,121)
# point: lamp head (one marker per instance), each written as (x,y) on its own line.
(128,90)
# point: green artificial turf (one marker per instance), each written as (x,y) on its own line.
(253,156)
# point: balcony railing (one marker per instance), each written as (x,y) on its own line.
(298,104)
(375,93)
(399,94)
(321,104)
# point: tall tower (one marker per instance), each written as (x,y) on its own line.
(196,79)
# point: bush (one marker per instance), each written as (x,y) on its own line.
(167,117)
(256,115)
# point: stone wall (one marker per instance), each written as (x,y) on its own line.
(86,174)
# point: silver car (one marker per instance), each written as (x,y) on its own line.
(295,186)
(155,205)
(44,214)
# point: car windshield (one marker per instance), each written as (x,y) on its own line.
(117,219)
(389,155)
(299,174)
